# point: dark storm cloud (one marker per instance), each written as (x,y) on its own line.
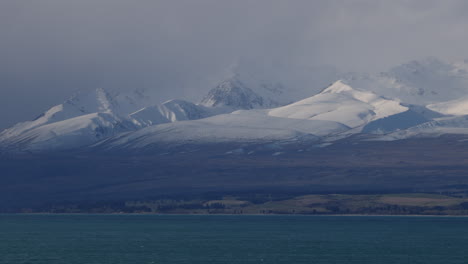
(179,48)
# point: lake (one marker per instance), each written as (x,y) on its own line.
(88,239)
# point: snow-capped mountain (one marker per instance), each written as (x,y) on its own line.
(253,126)
(453,107)
(71,133)
(341,103)
(340,109)
(414,116)
(173,111)
(234,94)
(283,84)
(426,97)
(252,87)
(81,120)
(337,109)
(96,101)
(91,116)
(418,82)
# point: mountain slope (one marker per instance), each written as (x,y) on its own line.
(240,126)
(453,107)
(457,125)
(408,99)
(341,103)
(171,111)
(339,111)
(97,101)
(89,117)
(72,133)
(234,94)
(415,115)
(335,110)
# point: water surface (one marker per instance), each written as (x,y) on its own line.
(88,239)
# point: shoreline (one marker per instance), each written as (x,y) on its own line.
(266,215)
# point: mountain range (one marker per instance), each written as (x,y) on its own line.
(400,131)
(425,98)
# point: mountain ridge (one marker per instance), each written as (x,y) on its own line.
(400,103)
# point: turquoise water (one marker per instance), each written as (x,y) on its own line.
(88,239)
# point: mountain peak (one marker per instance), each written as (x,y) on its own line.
(338,87)
(233,93)
(98,100)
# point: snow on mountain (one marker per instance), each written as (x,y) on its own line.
(253,86)
(83,119)
(418,82)
(89,117)
(434,128)
(341,103)
(410,99)
(97,101)
(453,107)
(415,115)
(80,104)
(337,109)
(234,94)
(172,111)
(239,126)
(101,100)
(284,83)
(70,133)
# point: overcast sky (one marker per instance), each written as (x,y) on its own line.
(178,48)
